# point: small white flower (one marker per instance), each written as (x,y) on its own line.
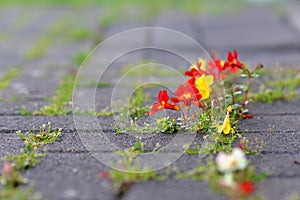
(240,157)
(228,180)
(228,163)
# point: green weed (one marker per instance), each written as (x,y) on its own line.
(59,102)
(79,58)
(284,84)
(167,125)
(136,108)
(29,157)
(45,136)
(19,194)
(7,77)
(133,173)
(95,84)
(39,49)
(152,69)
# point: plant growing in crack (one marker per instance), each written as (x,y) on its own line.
(212,100)
(229,173)
(198,91)
(237,179)
(130,172)
(279,84)
(11,177)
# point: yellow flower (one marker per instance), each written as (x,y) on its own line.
(196,66)
(226,126)
(229,109)
(203,83)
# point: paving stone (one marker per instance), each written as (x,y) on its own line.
(10,145)
(8,16)
(13,123)
(171,189)
(250,32)
(176,20)
(41,77)
(8,60)
(71,176)
(279,188)
(52,64)
(34,83)
(276,142)
(130,37)
(178,44)
(66,143)
(289,169)
(70,142)
(115,68)
(276,108)
(269,57)
(252,27)
(30,32)
(190,189)
(72,167)
(8,108)
(169,58)
(119,27)
(277,123)
(293,14)
(74,142)
(63,52)
(277,165)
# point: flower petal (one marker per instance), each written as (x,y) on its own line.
(155,108)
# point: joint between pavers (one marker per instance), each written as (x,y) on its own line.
(279,152)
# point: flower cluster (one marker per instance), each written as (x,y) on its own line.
(197,87)
(232,167)
(216,67)
(197,90)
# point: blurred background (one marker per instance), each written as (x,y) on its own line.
(48,38)
(256,28)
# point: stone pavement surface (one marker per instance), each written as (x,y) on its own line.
(70,171)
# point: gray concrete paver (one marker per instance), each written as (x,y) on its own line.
(261,22)
(70,176)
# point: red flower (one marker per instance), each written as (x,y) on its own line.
(233,62)
(195,70)
(216,67)
(163,103)
(246,187)
(217,63)
(187,94)
(191,81)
